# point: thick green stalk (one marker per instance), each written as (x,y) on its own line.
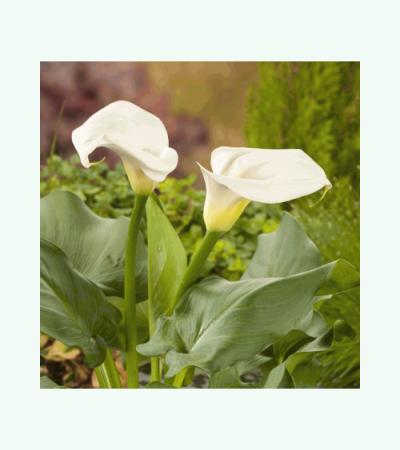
(154,361)
(179,378)
(130,292)
(107,374)
(102,377)
(197,262)
(192,273)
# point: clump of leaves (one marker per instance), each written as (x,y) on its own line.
(333,224)
(316,107)
(107,193)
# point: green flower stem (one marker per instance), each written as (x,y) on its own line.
(179,378)
(107,374)
(101,377)
(197,262)
(192,273)
(154,361)
(130,292)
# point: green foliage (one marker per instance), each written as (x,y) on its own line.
(73,309)
(227,378)
(286,251)
(94,245)
(296,354)
(167,260)
(211,331)
(279,377)
(46,383)
(183,206)
(158,385)
(107,193)
(315,107)
(334,225)
(289,250)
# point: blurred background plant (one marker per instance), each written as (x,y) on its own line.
(313,106)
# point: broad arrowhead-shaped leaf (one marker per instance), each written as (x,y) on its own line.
(73,309)
(289,250)
(284,252)
(219,323)
(95,246)
(167,259)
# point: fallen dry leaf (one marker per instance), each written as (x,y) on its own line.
(58,351)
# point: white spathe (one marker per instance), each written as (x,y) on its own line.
(240,175)
(137,136)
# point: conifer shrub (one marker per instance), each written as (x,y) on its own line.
(314,106)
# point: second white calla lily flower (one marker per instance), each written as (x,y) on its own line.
(137,136)
(241,175)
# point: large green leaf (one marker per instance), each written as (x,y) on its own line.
(289,250)
(73,309)
(167,259)
(297,366)
(219,323)
(290,356)
(286,251)
(343,278)
(95,246)
(298,338)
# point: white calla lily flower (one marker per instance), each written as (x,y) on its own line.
(137,136)
(240,175)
